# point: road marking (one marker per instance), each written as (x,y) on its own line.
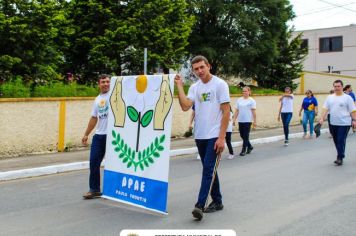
(54,169)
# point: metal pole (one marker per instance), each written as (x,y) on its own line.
(145,61)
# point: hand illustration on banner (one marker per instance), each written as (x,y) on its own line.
(137,114)
(163,105)
(118,106)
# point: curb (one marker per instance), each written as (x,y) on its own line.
(54,169)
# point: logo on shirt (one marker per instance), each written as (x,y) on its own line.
(311,107)
(103,108)
(205,97)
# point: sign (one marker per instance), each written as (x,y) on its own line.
(138,140)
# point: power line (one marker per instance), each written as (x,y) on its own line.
(325,9)
(336,5)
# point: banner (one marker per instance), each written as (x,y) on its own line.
(138,140)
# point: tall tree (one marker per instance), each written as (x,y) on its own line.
(287,66)
(111,35)
(161,26)
(241,38)
(92,50)
(31,35)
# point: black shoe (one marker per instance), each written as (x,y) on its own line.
(249,150)
(197,213)
(242,154)
(214,207)
(338,162)
(92,195)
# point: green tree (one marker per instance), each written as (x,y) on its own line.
(92,49)
(32,34)
(241,38)
(287,66)
(161,26)
(111,35)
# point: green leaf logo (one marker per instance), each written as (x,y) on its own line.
(141,159)
(146,118)
(132,113)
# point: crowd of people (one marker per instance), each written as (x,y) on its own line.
(245,114)
(213,119)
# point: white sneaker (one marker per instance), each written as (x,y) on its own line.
(230,157)
(198,157)
(286,142)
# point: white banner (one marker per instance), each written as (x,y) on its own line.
(138,140)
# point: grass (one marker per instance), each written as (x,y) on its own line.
(255,90)
(16,89)
(235,90)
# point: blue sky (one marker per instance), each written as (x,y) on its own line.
(315,14)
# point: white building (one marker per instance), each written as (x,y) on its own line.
(331,50)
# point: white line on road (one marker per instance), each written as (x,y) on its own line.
(60,168)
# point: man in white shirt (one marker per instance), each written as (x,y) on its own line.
(99,118)
(211,99)
(342,109)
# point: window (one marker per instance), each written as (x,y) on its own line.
(330,44)
(304,44)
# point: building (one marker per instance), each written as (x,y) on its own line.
(331,50)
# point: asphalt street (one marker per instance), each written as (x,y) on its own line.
(276,190)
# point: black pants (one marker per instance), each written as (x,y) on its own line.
(228,142)
(245,128)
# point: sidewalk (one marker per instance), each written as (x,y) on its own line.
(67,161)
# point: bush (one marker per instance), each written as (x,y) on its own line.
(254,90)
(14,89)
(64,90)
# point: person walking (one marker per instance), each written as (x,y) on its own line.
(342,111)
(98,119)
(245,113)
(348,91)
(228,137)
(191,121)
(328,115)
(210,97)
(286,112)
(310,111)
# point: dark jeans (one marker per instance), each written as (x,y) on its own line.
(244,128)
(97,153)
(339,134)
(208,158)
(286,118)
(228,142)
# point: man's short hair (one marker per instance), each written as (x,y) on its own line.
(199,58)
(103,76)
(338,81)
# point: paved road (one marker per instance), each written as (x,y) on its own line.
(276,190)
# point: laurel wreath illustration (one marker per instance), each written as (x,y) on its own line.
(141,159)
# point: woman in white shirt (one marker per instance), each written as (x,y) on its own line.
(245,112)
(228,137)
(286,112)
